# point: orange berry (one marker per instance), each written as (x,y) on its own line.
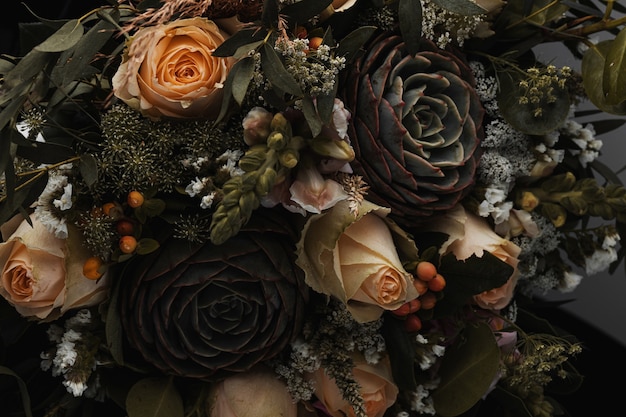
(107,207)
(426,270)
(124,227)
(315,42)
(414,305)
(437,284)
(91,268)
(420,286)
(128,244)
(412,323)
(135,199)
(428,300)
(401,311)
(301,32)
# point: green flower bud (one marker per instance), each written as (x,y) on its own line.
(555,213)
(281,124)
(253,158)
(248,202)
(289,158)
(337,149)
(576,205)
(562,182)
(276,140)
(265,182)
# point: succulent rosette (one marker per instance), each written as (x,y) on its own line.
(206,311)
(416,126)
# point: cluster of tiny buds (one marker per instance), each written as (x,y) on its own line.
(539,85)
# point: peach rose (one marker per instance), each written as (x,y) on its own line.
(42,275)
(378,390)
(472,235)
(168,70)
(355,259)
(257,393)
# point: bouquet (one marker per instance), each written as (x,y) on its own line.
(303,207)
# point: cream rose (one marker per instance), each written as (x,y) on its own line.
(42,276)
(472,235)
(355,259)
(257,393)
(378,390)
(169,70)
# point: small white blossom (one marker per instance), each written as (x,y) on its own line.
(65,201)
(207,200)
(600,260)
(569,282)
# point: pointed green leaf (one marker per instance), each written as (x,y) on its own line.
(63,39)
(46,152)
(311,116)
(269,16)
(18,81)
(88,169)
(592,69)
(154,397)
(244,71)
(325,104)
(303,11)
(467,370)
(401,353)
(410,20)
(238,40)
(353,41)
(87,46)
(614,76)
(23,390)
(276,73)
(113,326)
(462,7)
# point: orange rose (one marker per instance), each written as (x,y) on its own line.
(472,235)
(255,393)
(169,70)
(42,274)
(355,259)
(378,390)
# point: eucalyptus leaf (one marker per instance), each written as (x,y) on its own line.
(303,11)
(592,69)
(113,326)
(18,81)
(243,73)
(401,353)
(87,47)
(46,152)
(239,40)
(467,370)
(410,20)
(311,116)
(23,390)
(88,167)
(23,197)
(269,15)
(276,72)
(522,116)
(325,104)
(462,7)
(353,41)
(63,39)
(154,397)
(146,246)
(5,65)
(614,76)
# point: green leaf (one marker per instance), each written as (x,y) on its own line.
(276,73)
(113,326)
(410,20)
(154,397)
(614,76)
(87,47)
(311,116)
(18,81)
(401,353)
(243,73)
(46,152)
(462,7)
(467,278)
(146,246)
(521,116)
(23,197)
(88,169)
(467,370)
(63,39)
(269,16)
(302,11)
(592,70)
(353,41)
(23,389)
(239,40)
